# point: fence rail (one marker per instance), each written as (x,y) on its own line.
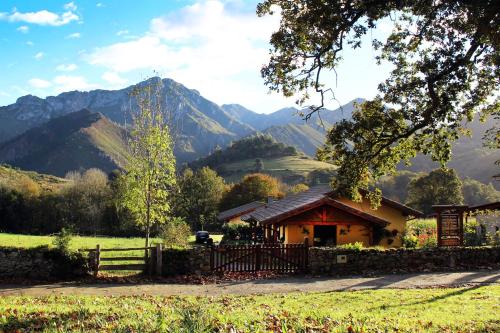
(152,262)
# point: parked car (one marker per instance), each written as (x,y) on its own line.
(202,237)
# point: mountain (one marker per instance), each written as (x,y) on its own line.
(76,141)
(201,124)
(469,157)
(304,137)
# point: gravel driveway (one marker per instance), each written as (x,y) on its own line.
(282,285)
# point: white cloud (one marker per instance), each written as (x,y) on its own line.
(113,79)
(39,83)
(42,17)
(205,46)
(39,55)
(24,29)
(75,35)
(69,83)
(70,6)
(122,32)
(30,43)
(99,4)
(4,94)
(67,68)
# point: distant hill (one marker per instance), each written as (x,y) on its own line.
(304,137)
(76,141)
(469,157)
(275,158)
(13,178)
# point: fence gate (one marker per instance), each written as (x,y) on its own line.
(262,257)
(151,264)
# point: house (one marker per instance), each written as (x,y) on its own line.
(233,215)
(487,217)
(327,220)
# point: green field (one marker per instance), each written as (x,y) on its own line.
(472,309)
(82,242)
(281,167)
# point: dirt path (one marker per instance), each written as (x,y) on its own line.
(284,285)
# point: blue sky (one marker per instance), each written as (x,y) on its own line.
(216,47)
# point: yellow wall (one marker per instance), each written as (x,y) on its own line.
(394,216)
(357,233)
(236,220)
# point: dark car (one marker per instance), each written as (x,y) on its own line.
(202,237)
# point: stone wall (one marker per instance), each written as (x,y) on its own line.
(333,261)
(193,260)
(40,263)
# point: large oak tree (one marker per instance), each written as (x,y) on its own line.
(445,59)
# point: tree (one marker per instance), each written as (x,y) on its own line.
(444,56)
(253,187)
(199,196)
(439,187)
(297,188)
(259,165)
(477,193)
(149,176)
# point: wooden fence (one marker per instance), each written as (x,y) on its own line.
(151,263)
(263,257)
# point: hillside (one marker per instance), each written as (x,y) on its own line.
(76,141)
(304,137)
(469,157)
(276,159)
(200,124)
(13,178)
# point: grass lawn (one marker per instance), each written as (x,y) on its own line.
(473,309)
(82,242)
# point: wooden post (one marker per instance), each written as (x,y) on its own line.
(97,259)
(158,260)
(257,257)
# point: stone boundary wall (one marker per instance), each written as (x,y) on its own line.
(41,264)
(193,260)
(332,261)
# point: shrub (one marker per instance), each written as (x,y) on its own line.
(63,239)
(427,240)
(493,238)
(410,241)
(236,232)
(357,246)
(176,232)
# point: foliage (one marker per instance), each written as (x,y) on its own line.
(477,193)
(396,186)
(444,59)
(439,187)
(176,232)
(253,187)
(259,165)
(471,236)
(427,240)
(198,197)
(252,147)
(149,177)
(410,241)
(298,188)
(63,239)
(356,246)
(237,232)
(493,239)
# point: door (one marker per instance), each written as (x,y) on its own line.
(325,235)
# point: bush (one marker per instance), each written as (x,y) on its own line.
(63,239)
(236,232)
(357,246)
(410,241)
(176,232)
(428,240)
(493,239)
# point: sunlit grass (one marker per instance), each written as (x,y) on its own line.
(472,309)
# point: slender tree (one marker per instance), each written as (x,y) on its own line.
(149,176)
